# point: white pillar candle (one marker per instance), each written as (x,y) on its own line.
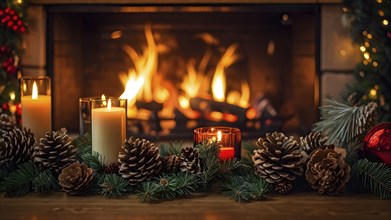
(37,113)
(108,131)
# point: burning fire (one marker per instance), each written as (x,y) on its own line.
(140,82)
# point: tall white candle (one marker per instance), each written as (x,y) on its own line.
(37,113)
(108,131)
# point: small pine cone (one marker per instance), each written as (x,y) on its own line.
(55,151)
(139,160)
(312,141)
(16,146)
(6,122)
(75,178)
(190,161)
(278,159)
(111,168)
(172,163)
(327,172)
(367,118)
(283,187)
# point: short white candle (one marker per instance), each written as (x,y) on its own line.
(37,113)
(108,131)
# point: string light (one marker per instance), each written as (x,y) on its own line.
(364,33)
(362,48)
(373,93)
(345,9)
(379,1)
(369,36)
(366,44)
(381,13)
(385,22)
(374,64)
(362,74)
(374,50)
(366,55)
(365,62)
(376,87)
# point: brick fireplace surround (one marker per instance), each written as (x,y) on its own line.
(337,55)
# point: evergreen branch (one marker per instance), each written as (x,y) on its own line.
(113,186)
(343,123)
(375,176)
(94,160)
(246,161)
(245,188)
(83,145)
(227,166)
(18,182)
(173,148)
(44,183)
(168,187)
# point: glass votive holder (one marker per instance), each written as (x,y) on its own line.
(228,139)
(85,114)
(36,105)
(108,127)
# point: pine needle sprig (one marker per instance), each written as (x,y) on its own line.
(94,160)
(114,186)
(343,123)
(246,161)
(245,188)
(228,166)
(375,176)
(168,187)
(173,148)
(44,183)
(19,182)
(83,145)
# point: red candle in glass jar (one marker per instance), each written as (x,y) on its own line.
(229,140)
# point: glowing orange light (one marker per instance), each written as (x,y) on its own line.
(34,94)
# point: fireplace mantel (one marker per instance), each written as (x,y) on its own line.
(183,2)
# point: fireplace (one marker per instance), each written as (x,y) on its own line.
(181,67)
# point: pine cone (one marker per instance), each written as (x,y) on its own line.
(16,146)
(327,171)
(6,122)
(139,160)
(278,160)
(75,178)
(190,161)
(283,187)
(312,141)
(55,151)
(367,118)
(111,168)
(172,163)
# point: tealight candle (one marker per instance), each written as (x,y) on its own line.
(36,105)
(229,140)
(108,119)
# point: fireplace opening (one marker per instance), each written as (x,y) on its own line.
(182,67)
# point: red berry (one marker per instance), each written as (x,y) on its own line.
(15,28)
(20,23)
(5,64)
(2,48)
(1,12)
(12,12)
(22,29)
(7,10)
(10,24)
(15,17)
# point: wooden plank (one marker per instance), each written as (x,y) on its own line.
(201,206)
(179,1)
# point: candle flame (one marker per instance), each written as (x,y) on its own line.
(104,100)
(219,136)
(34,94)
(109,104)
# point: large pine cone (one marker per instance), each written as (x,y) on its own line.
(312,141)
(75,178)
(16,146)
(55,151)
(172,163)
(190,160)
(139,160)
(327,171)
(278,160)
(6,122)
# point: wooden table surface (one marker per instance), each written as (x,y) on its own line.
(200,206)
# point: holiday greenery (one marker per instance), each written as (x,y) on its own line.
(12,27)
(371,31)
